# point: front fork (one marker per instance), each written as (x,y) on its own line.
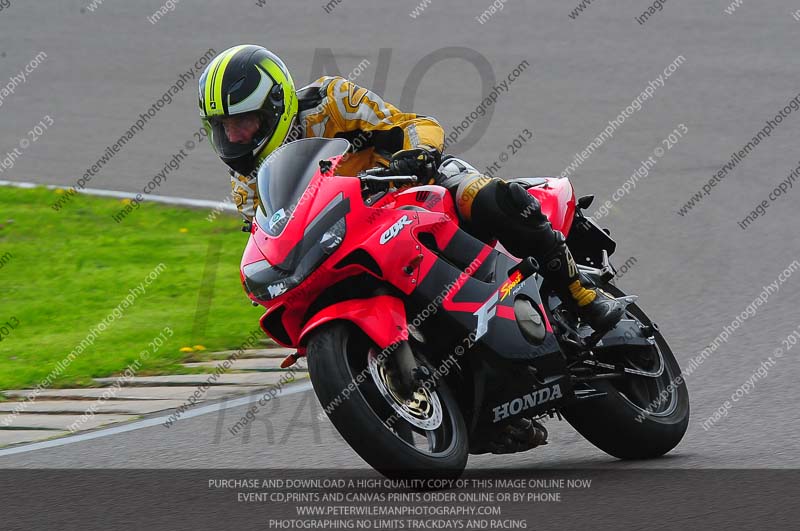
(405,368)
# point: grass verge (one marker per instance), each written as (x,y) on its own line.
(63,273)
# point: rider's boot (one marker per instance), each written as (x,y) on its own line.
(592,305)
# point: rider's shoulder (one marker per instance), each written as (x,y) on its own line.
(321,85)
(311,95)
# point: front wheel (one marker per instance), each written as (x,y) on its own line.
(422,438)
(640,417)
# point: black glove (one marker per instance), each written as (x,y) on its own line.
(422,161)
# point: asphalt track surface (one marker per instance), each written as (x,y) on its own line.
(694,273)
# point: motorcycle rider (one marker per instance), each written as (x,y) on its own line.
(250,107)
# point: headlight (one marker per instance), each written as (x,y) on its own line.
(265,282)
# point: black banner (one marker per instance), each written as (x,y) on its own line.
(362,499)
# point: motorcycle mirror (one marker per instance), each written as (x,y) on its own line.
(585,201)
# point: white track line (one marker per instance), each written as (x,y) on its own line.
(228,206)
(147,423)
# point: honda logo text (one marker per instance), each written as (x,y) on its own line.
(517,405)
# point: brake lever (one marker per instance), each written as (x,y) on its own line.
(389,178)
(381,184)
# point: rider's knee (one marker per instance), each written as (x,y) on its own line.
(494,201)
(476,193)
(508,212)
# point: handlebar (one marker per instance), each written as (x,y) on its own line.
(377,171)
(381,174)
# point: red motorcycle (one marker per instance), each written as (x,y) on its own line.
(425,344)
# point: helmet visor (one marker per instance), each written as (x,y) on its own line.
(239,135)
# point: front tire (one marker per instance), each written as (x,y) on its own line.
(358,406)
(631,422)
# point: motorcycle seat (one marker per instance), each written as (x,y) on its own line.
(528,182)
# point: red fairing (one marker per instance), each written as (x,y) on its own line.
(384,231)
(380,244)
(558,202)
(430,197)
(382,318)
(251,253)
(441,221)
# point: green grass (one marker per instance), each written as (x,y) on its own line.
(68,270)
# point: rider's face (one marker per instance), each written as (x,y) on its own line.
(240,129)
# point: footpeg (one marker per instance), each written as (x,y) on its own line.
(607,271)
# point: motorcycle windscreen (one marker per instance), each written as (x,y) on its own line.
(286,174)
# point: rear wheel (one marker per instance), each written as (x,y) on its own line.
(642,416)
(421,438)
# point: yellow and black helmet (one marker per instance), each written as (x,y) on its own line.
(247,79)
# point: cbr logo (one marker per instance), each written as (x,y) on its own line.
(539,397)
(395,229)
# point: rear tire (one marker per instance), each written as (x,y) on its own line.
(337,356)
(622,425)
